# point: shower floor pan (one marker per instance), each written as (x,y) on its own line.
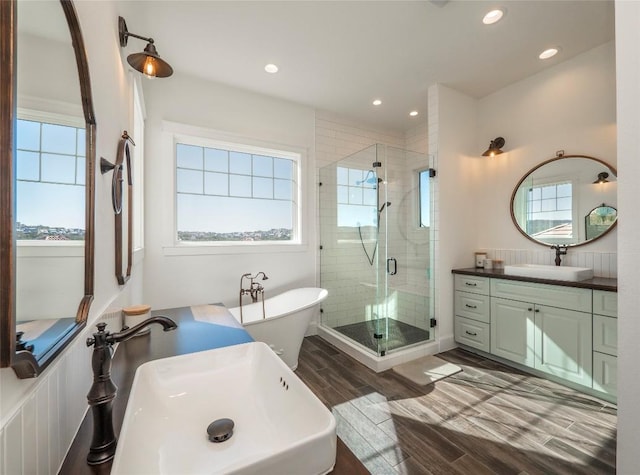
(399,333)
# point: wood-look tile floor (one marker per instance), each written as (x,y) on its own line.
(487,419)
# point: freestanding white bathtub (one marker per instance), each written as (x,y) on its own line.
(287,317)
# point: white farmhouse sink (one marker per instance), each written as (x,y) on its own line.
(280,425)
(573,274)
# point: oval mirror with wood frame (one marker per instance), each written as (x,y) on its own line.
(569,200)
(47,174)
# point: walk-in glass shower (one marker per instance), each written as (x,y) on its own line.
(376,249)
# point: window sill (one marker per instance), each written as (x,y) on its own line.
(50,249)
(229,249)
(138,256)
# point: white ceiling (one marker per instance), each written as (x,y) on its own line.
(340,55)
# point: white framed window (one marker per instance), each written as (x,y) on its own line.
(235,194)
(424,198)
(357,197)
(137,133)
(50,179)
(550,210)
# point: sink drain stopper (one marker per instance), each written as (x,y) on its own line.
(220,430)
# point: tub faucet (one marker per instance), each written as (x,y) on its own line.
(561,250)
(103,390)
(255,289)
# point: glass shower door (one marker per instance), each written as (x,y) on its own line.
(384,264)
(376,250)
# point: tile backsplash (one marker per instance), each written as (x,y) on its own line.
(604,264)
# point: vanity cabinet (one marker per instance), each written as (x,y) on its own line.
(565,331)
(471,326)
(563,343)
(512,330)
(605,341)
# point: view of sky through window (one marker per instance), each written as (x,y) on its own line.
(227,195)
(425,200)
(357,197)
(50,191)
(549,206)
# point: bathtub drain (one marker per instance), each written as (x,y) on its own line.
(220,430)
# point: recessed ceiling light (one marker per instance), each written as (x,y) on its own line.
(377,102)
(548,53)
(271,68)
(492,17)
(413,113)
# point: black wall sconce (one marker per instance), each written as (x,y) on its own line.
(118,167)
(602,178)
(148,62)
(495,147)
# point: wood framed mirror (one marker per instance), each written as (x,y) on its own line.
(47,167)
(552,203)
(122,201)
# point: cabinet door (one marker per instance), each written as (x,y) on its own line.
(564,343)
(605,373)
(605,335)
(512,330)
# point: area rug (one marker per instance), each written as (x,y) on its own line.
(426,370)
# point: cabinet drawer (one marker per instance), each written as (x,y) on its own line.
(605,303)
(605,373)
(472,333)
(571,298)
(475,306)
(470,283)
(605,335)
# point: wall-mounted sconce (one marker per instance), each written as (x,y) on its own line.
(148,62)
(106,166)
(602,178)
(494,147)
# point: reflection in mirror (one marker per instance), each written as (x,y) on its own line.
(47,135)
(123,191)
(50,178)
(548,205)
(599,220)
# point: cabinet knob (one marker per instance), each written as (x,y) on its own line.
(470,333)
(470,306)
(529,309)
(471,284)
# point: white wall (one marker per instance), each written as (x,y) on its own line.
(628,91)
(39,417)
(569,107)
(182,278)
(452,132)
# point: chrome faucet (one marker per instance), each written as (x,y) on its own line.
(561,250)
(103,390)
(255,289)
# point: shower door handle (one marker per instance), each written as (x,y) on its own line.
(395,266)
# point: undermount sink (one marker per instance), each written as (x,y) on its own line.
(538,271)
(280,426)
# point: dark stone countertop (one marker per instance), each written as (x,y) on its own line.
(596,283)
(215,328)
